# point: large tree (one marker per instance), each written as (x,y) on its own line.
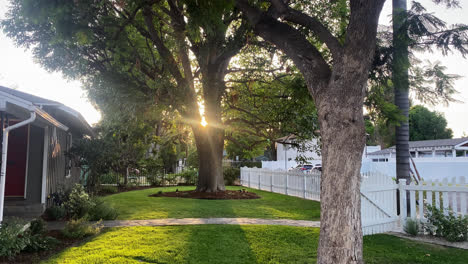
(336,77)
(174,52)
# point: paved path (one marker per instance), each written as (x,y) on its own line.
(198,221)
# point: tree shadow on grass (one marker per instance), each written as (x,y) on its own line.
(218,244)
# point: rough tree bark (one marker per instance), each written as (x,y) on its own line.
(210,138)
(338,90)
(210,143)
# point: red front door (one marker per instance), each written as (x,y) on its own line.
(16,161)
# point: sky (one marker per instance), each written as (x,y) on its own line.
(19,71)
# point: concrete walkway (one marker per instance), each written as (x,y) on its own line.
(197,221)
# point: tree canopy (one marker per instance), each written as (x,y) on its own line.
(425,124)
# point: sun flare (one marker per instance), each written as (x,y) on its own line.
(203,122)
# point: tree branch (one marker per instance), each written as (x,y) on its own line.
(311,23)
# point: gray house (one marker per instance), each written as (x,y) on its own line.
(437,148)
(36,134)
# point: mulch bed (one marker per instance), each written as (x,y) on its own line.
(36,257)
(226,195)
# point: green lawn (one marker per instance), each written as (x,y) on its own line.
(137,205)
(219,244)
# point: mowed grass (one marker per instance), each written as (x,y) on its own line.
(220,244)
(138,205)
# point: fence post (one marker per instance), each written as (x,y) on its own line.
(403,203)
(304,185)
(249,178)
(287,182)
(271,182)
(259,180)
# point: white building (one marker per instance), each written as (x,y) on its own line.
(431,159)
(438,148)
(287,153)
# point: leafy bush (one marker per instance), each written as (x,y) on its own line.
(55,213)
(59,197)
(101,211)
(78,203)
(231,174)
(108,178)
(411,227)
(17,236)
(154,180)
(190,176)
(80,228)
(107,189)
(450,226)
(37,226)
(170,178)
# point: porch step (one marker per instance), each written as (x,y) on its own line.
(23,210)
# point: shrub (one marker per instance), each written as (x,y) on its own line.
(231,174)
(411,227)
(37,227)
(190,176)
(108,178)
(11,239)
(107,189)
(55,213)
(59,197)
(450,226)
(101,211)
(78,203)
(154,180)
(80,228)
(170,178)
(17,236)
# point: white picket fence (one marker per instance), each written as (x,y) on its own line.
(378,195)
(293,183)
(445,195)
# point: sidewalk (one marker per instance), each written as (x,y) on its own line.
(197,221)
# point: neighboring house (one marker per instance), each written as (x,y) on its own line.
(431,159)
(286,150)
(287,153)
(438,148)
(39,133)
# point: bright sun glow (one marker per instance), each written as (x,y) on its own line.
(203,121)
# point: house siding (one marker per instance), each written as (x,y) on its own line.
(56,165)
(34,177)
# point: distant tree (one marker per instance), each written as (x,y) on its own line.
(425,124)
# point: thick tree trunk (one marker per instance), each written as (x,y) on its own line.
(210,138)
(401,87)
(343,140)
(339,94)
(210,143)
